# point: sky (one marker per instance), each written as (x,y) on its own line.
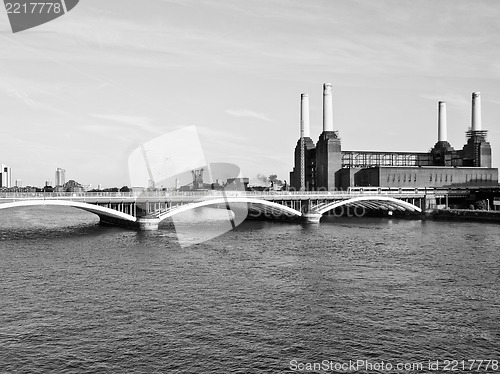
(85,90)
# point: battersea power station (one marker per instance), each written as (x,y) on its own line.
(325,166)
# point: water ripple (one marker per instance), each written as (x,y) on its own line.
(80,298)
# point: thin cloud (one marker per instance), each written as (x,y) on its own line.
(248,114)
(449,98)
(144,123)
(18,89)
(455,101)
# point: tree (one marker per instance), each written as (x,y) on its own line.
(273,178)
(481,205)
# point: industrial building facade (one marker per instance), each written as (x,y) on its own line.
(324,166)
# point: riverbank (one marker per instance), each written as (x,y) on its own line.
(464,215)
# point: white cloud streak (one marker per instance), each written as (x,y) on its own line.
(248,114)
(141,122)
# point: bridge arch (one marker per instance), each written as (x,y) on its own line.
(101,211)
(275,207)
(372,202)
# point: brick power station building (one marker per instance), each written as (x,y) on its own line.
(325,166)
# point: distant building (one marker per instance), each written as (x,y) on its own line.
(240,184)
(48,183)
(5,176)
(138,189)
(197,179)
(19,183)
(72,186)
(60,177)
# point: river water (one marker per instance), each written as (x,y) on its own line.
(266,297)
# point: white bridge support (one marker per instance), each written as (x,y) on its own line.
(107,215)
(370,202)
(148,224)
(311,217)
(268,207)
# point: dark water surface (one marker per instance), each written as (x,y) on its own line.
(76,297)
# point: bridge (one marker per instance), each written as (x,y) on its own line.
(145,210)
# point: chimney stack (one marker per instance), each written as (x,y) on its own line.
(304,115)
(327,107)
(476,111)
(442,124)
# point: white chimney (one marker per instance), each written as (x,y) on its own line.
(327,107)
(304,115)
(442,124)
(476,111)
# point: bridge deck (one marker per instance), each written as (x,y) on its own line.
(126,197)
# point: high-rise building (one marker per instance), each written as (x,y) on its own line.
(5,176)
(19,183)
(60,177)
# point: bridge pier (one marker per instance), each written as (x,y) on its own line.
(148,224)
(311,217)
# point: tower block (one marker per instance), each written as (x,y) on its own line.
(477,151)
(309,151)
(328,148)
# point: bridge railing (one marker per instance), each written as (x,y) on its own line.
(43,195)
(210,193)
(47,195)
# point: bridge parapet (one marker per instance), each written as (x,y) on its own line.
(78,196)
